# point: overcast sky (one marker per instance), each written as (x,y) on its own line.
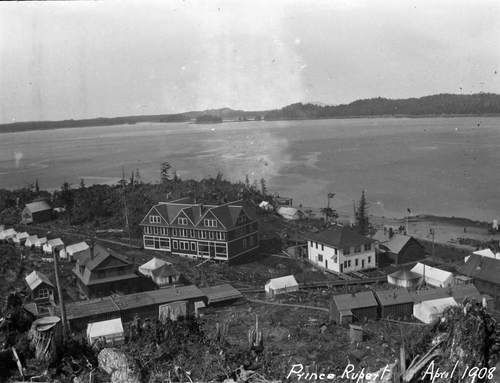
(105,58)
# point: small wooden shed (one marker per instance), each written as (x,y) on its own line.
(395,303)
(347,308)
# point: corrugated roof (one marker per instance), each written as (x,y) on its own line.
(345,302)
(432,272)
(482,268)
(115,304)
(393,297)
(340,237)
(38,206)
(221,293)
(36,278)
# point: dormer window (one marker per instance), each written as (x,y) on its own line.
(182,221)
(210,222)
(154,219)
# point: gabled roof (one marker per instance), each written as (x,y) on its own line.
(116,304)
(346,302)
(483,268)
(459,292)
(431,272)
(396,243)
(340,237)
(36,278)
(393,297)
(38,206)
(282,282)
(227,214)
(101,254)
(221,293)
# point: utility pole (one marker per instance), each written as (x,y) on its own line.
(60,294)
(124,199)
(433,234)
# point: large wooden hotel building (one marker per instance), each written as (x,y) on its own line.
(221,232)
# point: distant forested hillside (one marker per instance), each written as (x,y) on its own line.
(440,104)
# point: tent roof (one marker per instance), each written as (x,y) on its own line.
(438,305)
(282,282)
(36,278)
(406,275)
(77,247)
(154,263)
(103,328)
(431,272)
(32,238)
(485,253)
(55,242)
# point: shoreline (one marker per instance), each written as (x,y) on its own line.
(6,128)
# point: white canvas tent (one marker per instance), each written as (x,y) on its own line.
(484,253)
(153,264)
(7,234)
(289,213)
(20,238)
(281,285)
(40,242)
(30,241)
(78,250)
(434,276)
(52,244)
(429,311)
(111,331)
(264,205)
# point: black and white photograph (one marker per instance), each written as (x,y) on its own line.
(250,191)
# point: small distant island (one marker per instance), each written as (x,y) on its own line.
(439,105)
(208,119)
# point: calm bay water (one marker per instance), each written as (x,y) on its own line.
(442,166)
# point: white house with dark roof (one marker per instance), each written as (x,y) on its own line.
(220,232)
(341,249)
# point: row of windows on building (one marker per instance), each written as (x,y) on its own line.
(208,222)
(185,233)
(345,251)
(347,263)
(201,246)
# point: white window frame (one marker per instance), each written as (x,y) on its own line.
(182,221)
(43,293)
(154,219)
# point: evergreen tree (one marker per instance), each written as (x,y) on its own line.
(362,222)
(263,186)
(37,187)
(138,177)
(165,176)
(82,183)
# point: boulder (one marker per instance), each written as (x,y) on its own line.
(121,367)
